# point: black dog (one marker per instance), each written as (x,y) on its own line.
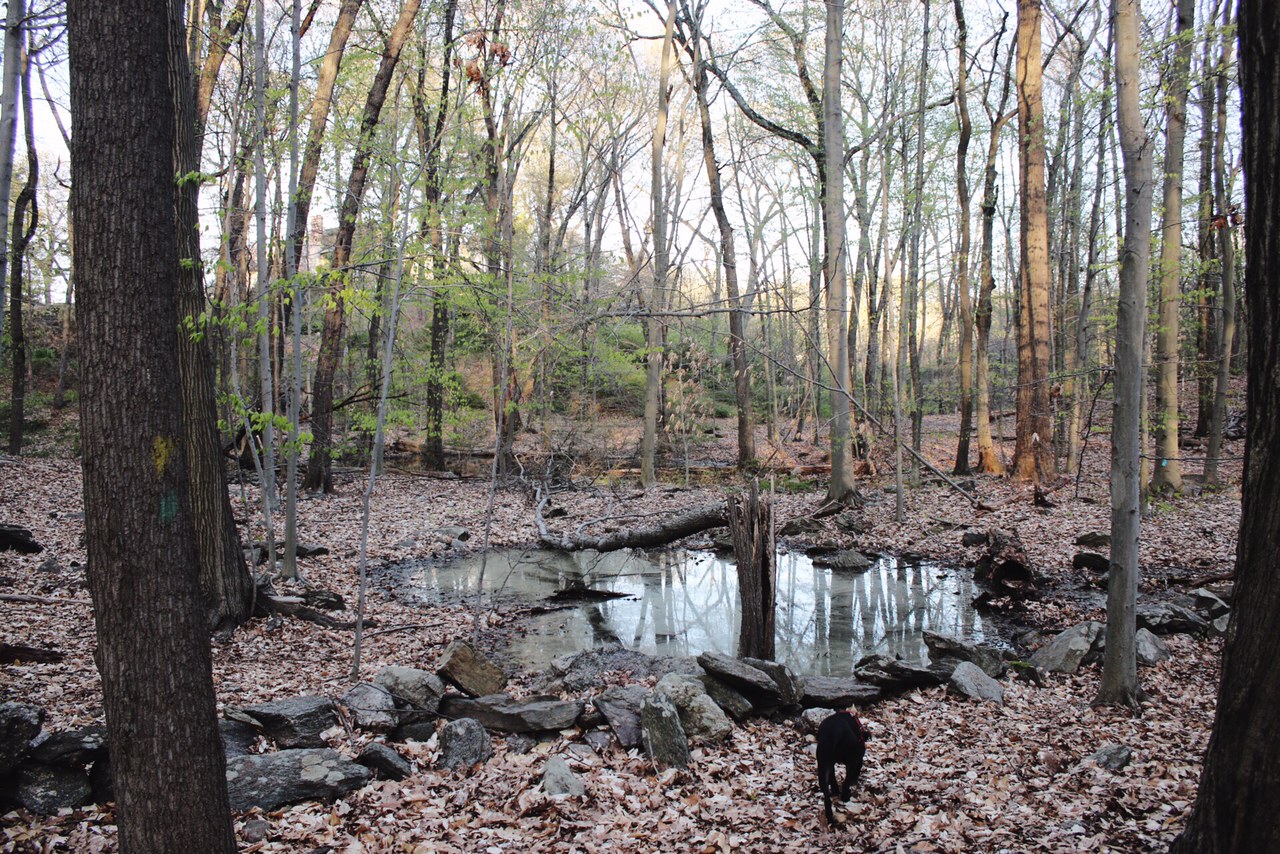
(842,740)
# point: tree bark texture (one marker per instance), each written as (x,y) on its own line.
(1119,664)
(750,522)
(1238,799)
(153,653)
(224,575)
(1167,474)
(1033,455)
(835,253)
(962,253)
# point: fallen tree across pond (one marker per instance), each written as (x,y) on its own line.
(648,536)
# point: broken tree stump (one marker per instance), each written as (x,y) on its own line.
(750,525)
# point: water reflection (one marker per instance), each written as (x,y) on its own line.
(682,603)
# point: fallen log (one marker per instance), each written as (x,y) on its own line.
(12,653)
(649,536)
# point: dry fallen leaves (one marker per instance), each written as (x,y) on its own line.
(942,774)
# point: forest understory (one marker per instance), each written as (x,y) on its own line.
(942,773)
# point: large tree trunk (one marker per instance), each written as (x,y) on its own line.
(224,576)
(1167,474)
(319,464)
(1033,455)
(836,253)
(153,653)
(962,253)
(1119,664)
(1238,799)
(430,142)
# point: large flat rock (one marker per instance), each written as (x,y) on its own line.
(507,714)
(271,780)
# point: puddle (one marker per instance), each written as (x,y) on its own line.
(685,602)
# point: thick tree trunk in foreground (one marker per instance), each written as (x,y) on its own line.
(1239,799)
(153,652)
(962,254)
(750,521)
(1119,664)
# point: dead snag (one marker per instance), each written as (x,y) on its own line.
(750,522)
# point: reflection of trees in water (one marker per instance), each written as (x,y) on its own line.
(685,603)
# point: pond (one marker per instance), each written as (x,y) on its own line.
(682,603)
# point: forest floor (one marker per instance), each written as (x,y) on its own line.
(942,773)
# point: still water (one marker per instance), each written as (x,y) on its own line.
(682,603)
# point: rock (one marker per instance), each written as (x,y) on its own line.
(1210,603)
(894,674)
(1068,649)
(598,740)
(326,600)
(729,699)
(238,738)
(255,831)
(73,748)
(1165,618)
(464,743)
(838,692)
(969,680)
(974,538)
(45,789)
(800,526)
(311,550)
(1094,540)
(852,523)
(420,689)
(582,672)
(20,723)
(294,723)
(371,707)
(811,719)
(558,779)
(721,541)
(271,780)
(740,675)
(413,731)
(946,647)
(18,539)
(702,719)
(1219,626)
(1151,650)
(520,744)
(505,713)
(453,532)
(1113,757)
(475,675)
(850,560)
(384,762)
(620,706)
(663,736)
(790,688)
(1091,561)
